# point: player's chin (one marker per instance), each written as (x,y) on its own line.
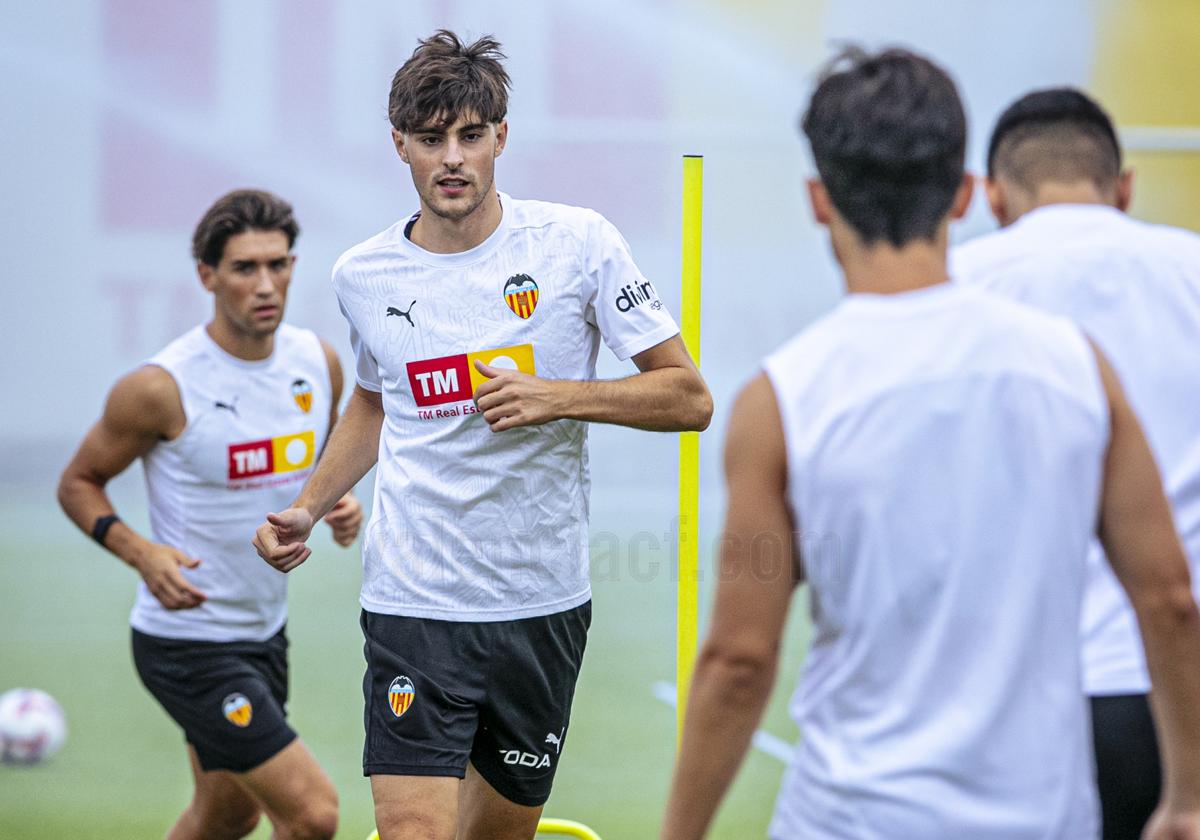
(261,327)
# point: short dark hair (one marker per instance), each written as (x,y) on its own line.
(1058,134)
(889,137)
(445,79)
(235,213)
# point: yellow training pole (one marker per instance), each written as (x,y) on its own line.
(687,606)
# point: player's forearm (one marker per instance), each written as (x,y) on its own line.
(1170,623)
(661,400)
(728,695)
(84,501)
(349,454)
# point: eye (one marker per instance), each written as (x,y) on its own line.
(244,268)
(279,265)
(472,136)
(430,140)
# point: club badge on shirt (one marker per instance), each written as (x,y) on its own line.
(302,393)
(521,295)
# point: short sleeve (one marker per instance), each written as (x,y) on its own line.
(621,303)
(366,369)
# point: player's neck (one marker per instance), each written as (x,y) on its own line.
(1055,192)
(249,348)
(886,270)
(441,235)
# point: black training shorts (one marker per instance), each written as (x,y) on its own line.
(496,693)
(229,697)
(1128,771)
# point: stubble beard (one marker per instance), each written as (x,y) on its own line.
(453,214)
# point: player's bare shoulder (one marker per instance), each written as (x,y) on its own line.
(146,401)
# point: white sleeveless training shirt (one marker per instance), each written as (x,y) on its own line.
(254,430)
(468,524)
(944,469)
(1135,289)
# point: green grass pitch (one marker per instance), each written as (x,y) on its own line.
(123,773)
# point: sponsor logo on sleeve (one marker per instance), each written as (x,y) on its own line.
(450,380)
(633,295)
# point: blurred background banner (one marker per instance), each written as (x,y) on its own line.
(124,119)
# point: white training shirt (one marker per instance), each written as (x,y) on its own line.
(254,429)
(468,524)
(944,467)
(1135,289)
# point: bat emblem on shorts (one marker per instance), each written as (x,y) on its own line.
(237,710)
(401,695)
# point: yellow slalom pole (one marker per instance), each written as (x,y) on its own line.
(688,603)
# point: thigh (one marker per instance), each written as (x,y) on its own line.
(1128,772)
(527,709)
(221,806)
(228,705)
(485,814)
(421,693)
(415,807)
(289,783)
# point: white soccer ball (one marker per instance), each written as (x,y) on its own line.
(32,726)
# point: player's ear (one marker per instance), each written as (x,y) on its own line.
(962,198)
(994,191)
(818,197)
(501,136)
(398,142)
(207,275)
(1124,190)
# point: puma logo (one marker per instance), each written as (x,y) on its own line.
(391,310)
(231,406)
(556,740)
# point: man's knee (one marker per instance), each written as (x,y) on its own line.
(414,820)
(220,821)
(316,819)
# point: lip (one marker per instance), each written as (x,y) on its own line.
(453,186)
(266,311)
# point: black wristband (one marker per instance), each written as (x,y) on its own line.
(100,529)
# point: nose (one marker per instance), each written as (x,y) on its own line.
(453,157)
(264,285)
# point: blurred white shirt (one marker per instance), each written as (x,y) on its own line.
(945,454)
(1134,288)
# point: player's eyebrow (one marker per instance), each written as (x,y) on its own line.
(440,131)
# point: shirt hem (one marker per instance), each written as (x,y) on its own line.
(1115,688)
(204,633)
(645,342)
(442,614)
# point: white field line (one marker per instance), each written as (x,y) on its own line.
(1160,138)
(762,741)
